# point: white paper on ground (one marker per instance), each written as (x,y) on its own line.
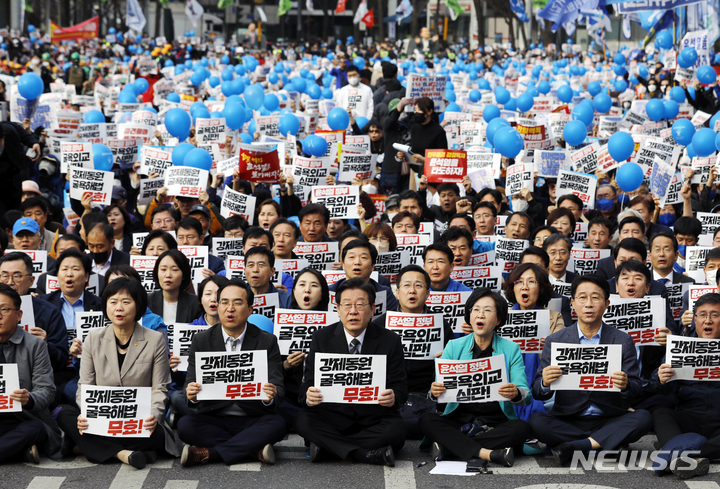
(451,468)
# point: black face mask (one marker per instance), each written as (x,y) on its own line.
(419,117)
(101,258)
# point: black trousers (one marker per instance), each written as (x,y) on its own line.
(445,430)
(100,449)
(234,437)
(609,431)
(323,430)
(17,435)
(669,423)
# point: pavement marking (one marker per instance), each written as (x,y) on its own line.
(402,476)
(702,485)
(181,484)
(129,477)
(162,463)
(246,467)
(41,482)
(79,462)
(530,466)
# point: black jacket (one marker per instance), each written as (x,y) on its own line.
(91,302)
(188,309)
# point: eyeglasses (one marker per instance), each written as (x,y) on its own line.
(359,307)
(562,253)
(487,312)
(410,285)
(374,130)
(231,234)
(236,302)
(483,216)
(703,316)
(15,277)
(163,221)
(4,311)
(530,283)
(381,239)
(596,299)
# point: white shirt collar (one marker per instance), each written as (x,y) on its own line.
(360,338)
(226,336)
(554,280)
(658,277)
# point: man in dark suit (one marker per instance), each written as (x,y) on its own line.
(587,420)
(368,433)
(663,255)
(230,430)
(558,247)
(63,243)
(101,243)
(627,249)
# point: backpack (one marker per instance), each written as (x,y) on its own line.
(75,76)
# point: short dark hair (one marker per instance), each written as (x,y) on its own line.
(165,208)
(75,253)
(711,298)
(593,279)
(355,284)
(359,243)
(501,305)
(11,293)
(669,236)
(633,266)
(556,237)
(414,217)
(133,288)
(190,222)
(34,202)
(352,69)
(495,193)
(256,232)
(444,187)
(600,221)
(468,219)
(105,228)
(414,268)
(545,290)
(688,226)
(181,261)
(324,293)
(71,237)
(282,220)
(159,233)
(713,254)
(389,70)
(217,280)
(314,209)
(485,205)
(18,256)
(561,212)
(630,220)
(536,251)
(453,233)
(573,198)
(236,222)
(441,247)
(122,271)
(631,244)
(408,195)
(641,199)
(236,282)
(124,212)
(524,215)
(90,219)
(261,250)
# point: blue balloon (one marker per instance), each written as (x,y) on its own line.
(620,85)
(683,131)
(141,86)
(602,103)
(338,119)
(584,112)
(111,30)
(565,94)
(690,56)
(273,78)
(214,81)
(93,117)
(655,110)
(196,79)
(262,322)
(299,84)
(706,75)
(511,104)
(474,95)
(168,63)
(703,142)
(575,132)
(127,97)
(672,109)
(493,126)
(271,102)
(677,94)
(508,142)
(247,139)
(642,71)
(491,112)
(198,158)
(234,116)
(179,152)
(30,86)
(289,124)
(177,123)
(629,176)
(102,157)
(691,152)
(621,146)
(327,94)
(315,145)
(202,113)
(226,88)
(314,91)
(665,39)
(525,102)
(544,87)
(483,84)
(619,59)
(450,95)
(717,141)
(502,95)
(254,96)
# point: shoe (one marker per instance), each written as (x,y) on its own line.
(137,460)
(31,455)
(381,456)
(172,420)
(503,456)
(679,467)
(150,457)
(563,453)
(438,452)
(67,447)
(194,455)
(314,453)
(266,455)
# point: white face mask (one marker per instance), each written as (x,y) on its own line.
(519,205)
(391,215)
(652,88)
(383,246)
(711,276)
(370,188)
(354,80)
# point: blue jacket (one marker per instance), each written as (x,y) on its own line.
(392,303)
(482,247)
(453,286)
(49,318)
(282,295)
(215,264)
(462,349)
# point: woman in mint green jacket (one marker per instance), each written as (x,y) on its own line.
(494,427)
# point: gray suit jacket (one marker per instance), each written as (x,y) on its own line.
(146,365)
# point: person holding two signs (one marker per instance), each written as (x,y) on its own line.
(496,426)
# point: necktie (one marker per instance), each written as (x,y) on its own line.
(233,343)
(355,346)
(664,281)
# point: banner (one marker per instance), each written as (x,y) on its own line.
(348,379)
(586,367)
(342,201)
(185,181)
(526,328)
(237,203)
(422,334)
(237,375)
(451,305)
(579,184)
(77,32)
(419,86)
(9,382)
(294,328)
(471,380)
(640,318)
(693,358)
(116,411)
(259,165)
(444,165)
(96,182)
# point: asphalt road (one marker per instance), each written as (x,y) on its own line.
(294,471)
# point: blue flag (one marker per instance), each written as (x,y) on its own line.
(565,11)
(519,9)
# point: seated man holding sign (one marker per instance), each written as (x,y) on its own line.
(492,421)
(698,400)
(347,419)
(233,422)
(588,416)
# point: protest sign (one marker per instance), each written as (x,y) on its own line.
(476,380)
(430,86)
(414,244)
(674,298)
(198,258)
(9,382)
(697,291)
(294,328)
(259,165)
(586,367)
(549,163)
(144,265)
(154,160)
(148,189)
(584,186)
(348,379)
(421,334)
(451,305)
(518,177)
(693,358)
(115,411)
(640,318)
(710,222)
(390,263)
(236,375)
(125,151)
(182,335)
(585,261)
(445,165)
(342,201)
(585,160)
(237,203)
(75,154)
(490,162)
(356,166)
(507,252)
(526,328)
(321,256)
(478,276)
(226,247)
(95,182)
(266,305)
(87,321)
(186,181)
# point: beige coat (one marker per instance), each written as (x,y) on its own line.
(146,365)
(556,322)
